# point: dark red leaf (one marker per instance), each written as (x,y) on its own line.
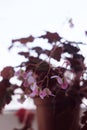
(5,93)
(37,65)
(4,84)
(76,64)
(56,52)
(52,37)
(39,50)
(25,54)
(24,40)
(70,49)
(7,72)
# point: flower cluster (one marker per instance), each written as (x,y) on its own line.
(29,81)
(53,66)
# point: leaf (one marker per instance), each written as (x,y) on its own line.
(52,37)
(70,49)
(5,93)
(78,56)
(7,72)
(43,67)
(56,52)
(24,40)
(76,64)
(34,60)
(39,50)
(25,54)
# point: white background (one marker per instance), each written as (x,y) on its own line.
(20,18)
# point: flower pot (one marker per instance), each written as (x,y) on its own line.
(56,114)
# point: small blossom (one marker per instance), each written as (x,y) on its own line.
(61,81)
(27,74)
(29,79)
(33,86)
(25,83)
(45,92)
(64,85)
(34,92)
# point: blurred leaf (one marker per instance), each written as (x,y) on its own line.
(25,54)
(7,72)
(70,49)
(39,50)
(56,52)
(52,37)
(24,40)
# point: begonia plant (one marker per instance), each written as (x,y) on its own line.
(52,65)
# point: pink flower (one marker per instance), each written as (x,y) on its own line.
(64,85)
(29,78)
(61,81)
(45,92)
(26,83)
(33,86)
(34,92)
(58,78)
(27,74)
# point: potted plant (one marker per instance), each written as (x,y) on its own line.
(54,74)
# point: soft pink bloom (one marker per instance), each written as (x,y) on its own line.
(26,83)
(45,92)
(34,93)
(64,85)
(27,74)
(29,78)
(33,86)
(58,78)
(61,81)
